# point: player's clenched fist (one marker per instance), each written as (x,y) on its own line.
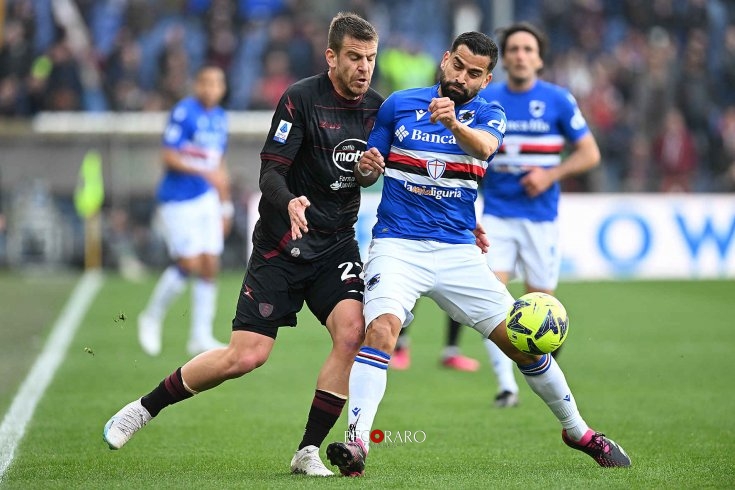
(371,161)
(442,110)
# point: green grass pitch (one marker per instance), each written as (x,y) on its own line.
(649,364)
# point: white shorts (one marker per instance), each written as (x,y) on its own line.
(457,277)
(193,227)
(530,248)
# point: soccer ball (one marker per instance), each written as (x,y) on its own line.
(537,323)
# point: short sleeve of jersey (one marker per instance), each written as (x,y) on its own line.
(491,118)
(287,128)
(573,123)
(178,128)
(381,136)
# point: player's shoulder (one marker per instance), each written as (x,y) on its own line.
(492,91)
(184,108)
(487,101)
(417,92)
(554,91)
(412,96)
(373,98)
(309,88)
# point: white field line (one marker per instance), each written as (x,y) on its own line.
(33,387)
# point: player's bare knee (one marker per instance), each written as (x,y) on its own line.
(381,334)
(349,338)
(241,362)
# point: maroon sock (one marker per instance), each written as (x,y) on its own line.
(171,390)
(325,410)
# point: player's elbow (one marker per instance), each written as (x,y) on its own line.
(486,151)
(594,157)
(490,145)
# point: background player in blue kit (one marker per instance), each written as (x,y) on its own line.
(521,188)
(304,246)
(432,146)
(195,211)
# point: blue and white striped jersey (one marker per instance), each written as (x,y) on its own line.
(430,183)
(540,122)
(200,135)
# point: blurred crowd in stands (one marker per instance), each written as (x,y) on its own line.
(655,78)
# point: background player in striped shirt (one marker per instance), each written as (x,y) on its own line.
(195,212)
(521,188)
(432,146)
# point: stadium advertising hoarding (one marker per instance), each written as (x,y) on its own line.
(627,236)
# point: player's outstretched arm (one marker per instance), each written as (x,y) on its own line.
(370,166)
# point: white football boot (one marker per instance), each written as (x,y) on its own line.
(306,461)
(121,427)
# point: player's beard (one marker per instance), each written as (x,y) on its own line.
(460,97)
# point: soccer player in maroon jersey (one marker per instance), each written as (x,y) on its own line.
(304,246)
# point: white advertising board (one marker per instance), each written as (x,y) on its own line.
(615,236)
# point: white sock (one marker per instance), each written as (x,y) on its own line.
(547,380)
(368,379)
(502,366)
(203,304)
(450,351)
(168,288)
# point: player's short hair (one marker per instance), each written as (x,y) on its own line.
(480,44)
(541,39)
(349,24)
(207,67)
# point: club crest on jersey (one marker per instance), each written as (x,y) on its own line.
(435,168)
(284,127)
(537,108)
(347,153)
(466,116)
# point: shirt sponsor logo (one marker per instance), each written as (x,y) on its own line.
(347,153)
(284,127)
(344,182)
(441,139)
(329,125)
(499,125)
(434,192)
(577,121)
(401,132)
(529,126)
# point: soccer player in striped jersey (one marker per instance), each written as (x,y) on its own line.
(432,145)
(521,189)
(195,211)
